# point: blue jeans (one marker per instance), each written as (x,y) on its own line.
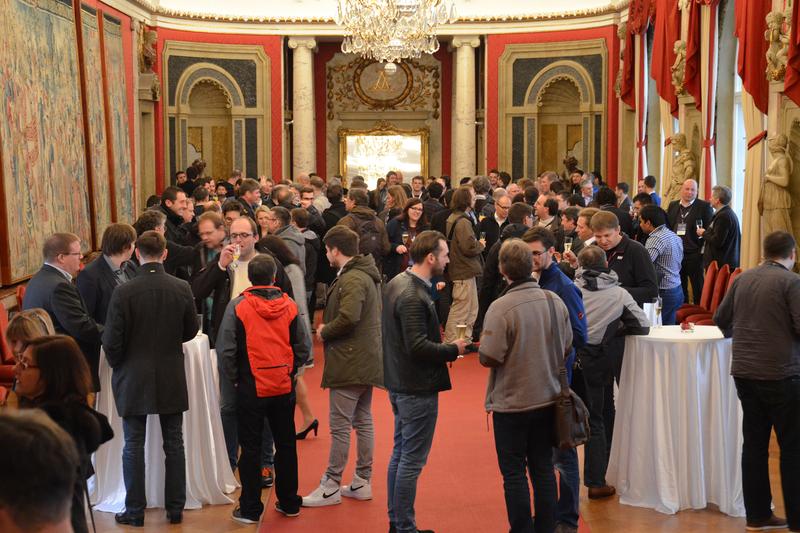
(569,484)
(671,300)
(414,424)
(133,467)
(526,439)
(227,409)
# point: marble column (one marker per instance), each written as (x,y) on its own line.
(464,146)
(304,145)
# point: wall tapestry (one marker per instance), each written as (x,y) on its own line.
(118,113)
(92,57)
(45,182)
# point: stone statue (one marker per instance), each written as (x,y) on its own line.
(679,67)
(684,167)
(621,33)
(618,83)
(147,53)
(775,201)
(778,41)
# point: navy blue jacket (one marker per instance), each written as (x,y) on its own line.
(553,279)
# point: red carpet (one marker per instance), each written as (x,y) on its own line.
(460,489)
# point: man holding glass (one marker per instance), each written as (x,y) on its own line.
(685,216)
(415,371)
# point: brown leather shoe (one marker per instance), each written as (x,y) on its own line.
(598,493)
(773,522)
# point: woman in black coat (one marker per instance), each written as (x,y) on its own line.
(401,230)
(52,375)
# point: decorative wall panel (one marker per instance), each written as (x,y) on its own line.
(44,174)
(92,58)
(118,115)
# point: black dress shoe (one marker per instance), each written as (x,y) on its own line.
(175,518)
(128,519)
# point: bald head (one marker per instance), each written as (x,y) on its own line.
(689,191)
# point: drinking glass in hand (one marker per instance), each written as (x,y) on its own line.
(567,244)
(406,239)
(658,303)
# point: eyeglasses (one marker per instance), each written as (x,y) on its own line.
(415,209)
(24,364)
(235,236)
(536,253)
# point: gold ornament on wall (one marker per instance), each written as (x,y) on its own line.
(684,167)
(778,38)
(412,86)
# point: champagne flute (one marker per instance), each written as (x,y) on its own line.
(483,236)
(567,244)
(658,303)
(405,238)
(237,252)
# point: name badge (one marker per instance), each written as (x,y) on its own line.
(681,230)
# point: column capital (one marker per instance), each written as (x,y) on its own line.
(472,41)
(302,42)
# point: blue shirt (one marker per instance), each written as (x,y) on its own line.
(656,198)
(553,279)
(666,253)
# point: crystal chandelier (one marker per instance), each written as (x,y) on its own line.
(390,30)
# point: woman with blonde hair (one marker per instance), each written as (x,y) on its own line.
(262,214)
(26,326)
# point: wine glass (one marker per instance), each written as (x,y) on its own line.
(699,223)
(405,238)
(237,252)
(567,244)
(659,304)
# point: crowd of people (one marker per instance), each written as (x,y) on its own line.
(531,274)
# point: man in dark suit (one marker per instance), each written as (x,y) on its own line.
(494,225)
(722,237)
(249,197)
(98,280)
(683,216)
(433,203)
(149,319)
(52,290)
(607,200)
(173,204)
(623,200)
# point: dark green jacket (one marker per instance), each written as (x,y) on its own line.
(352,332)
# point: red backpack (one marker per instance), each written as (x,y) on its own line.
(266,326)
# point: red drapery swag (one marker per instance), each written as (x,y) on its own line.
(791,84)
(639,14)
(751,64)
(667,30)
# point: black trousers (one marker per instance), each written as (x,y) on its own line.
(279,412)
(526,439)
(767,405)
(692,272)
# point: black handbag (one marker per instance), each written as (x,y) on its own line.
(570,415)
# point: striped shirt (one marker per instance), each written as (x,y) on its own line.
(666,253)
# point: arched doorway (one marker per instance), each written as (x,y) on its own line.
(560,125)
(209,135)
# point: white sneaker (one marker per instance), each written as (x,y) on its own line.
(328,493)
(360,489)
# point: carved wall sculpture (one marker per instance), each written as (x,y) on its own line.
(684,167)
(679,68)
(775,199)
(361,92)
(778,38)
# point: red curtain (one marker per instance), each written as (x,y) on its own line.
(667,30)
(639,14)
(692,75)
(752,61)
(792,80)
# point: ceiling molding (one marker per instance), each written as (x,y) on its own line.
(154,14)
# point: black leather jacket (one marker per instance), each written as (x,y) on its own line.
(414,358)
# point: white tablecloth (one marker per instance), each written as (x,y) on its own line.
(208,474)
(678,430)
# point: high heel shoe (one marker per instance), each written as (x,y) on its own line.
(313,425)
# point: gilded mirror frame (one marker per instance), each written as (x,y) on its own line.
(384,128)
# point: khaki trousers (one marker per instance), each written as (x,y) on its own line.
(463,310)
